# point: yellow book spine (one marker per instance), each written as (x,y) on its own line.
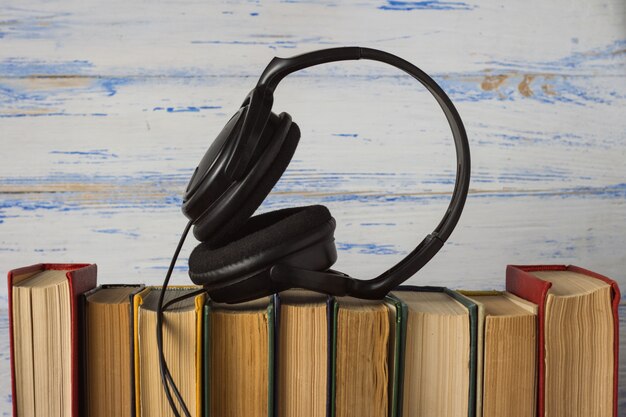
(137,301)
(200,300)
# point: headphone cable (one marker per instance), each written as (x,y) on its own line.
(166,378)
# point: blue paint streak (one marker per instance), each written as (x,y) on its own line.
(31,24)
(8,116)
(187,109)
(20,67)
(169,184)
(50,250)
(117,232)
(368,248)
(610,56)
(110,85)
(164,268)
(39,205)
(425,5)
(346,135)
(254,14)
(15,97)
(97,153)
(272,44)
(275,44)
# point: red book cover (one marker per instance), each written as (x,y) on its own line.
(521,282)
(81,278)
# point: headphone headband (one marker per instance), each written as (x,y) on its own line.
(377,287)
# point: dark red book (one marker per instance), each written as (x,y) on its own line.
(522,281)
(80,278)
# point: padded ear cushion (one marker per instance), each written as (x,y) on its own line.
(250,202)
(260,242)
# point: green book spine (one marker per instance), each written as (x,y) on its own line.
(333,365)
(207,356)
(270,359)
(399,344)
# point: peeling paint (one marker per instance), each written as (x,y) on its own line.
(524,86)
(492,82)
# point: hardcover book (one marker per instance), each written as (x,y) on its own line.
(107,335)
(440,352)
(366,349)
(507,347)
(182,347)
(578,337)
(303,353)
(44,328)
(239,352)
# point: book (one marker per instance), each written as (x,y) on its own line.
(182,347)
(107,333)
(439,355)
(44,328)
(364,351)
(578,337)
(303,349)
(507,353)
(239,359)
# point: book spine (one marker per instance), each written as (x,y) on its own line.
(330,312)
(271,314)
(131,351)
(80,281)
(206,400)
(334,313)
(276,340)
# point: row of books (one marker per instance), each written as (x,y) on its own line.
(547,346)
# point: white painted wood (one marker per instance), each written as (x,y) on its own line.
(105,108)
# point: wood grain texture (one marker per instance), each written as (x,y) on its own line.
(106,107)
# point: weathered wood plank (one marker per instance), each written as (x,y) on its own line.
(106,108)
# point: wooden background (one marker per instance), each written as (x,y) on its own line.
(105,109)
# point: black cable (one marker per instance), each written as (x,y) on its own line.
(169,377)
(166,377)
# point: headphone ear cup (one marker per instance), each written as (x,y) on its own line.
(233,209)
(302,237)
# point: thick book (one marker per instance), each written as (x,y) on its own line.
(438,360)
(366,350)
(44,328)
(239,357)
(578,337)
(107,363)
(303,351)
(182,347)
(507,354)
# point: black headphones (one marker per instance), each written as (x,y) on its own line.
(243,257)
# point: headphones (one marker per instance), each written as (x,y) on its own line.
(242,257)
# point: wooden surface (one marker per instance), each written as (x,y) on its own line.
(106,108)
